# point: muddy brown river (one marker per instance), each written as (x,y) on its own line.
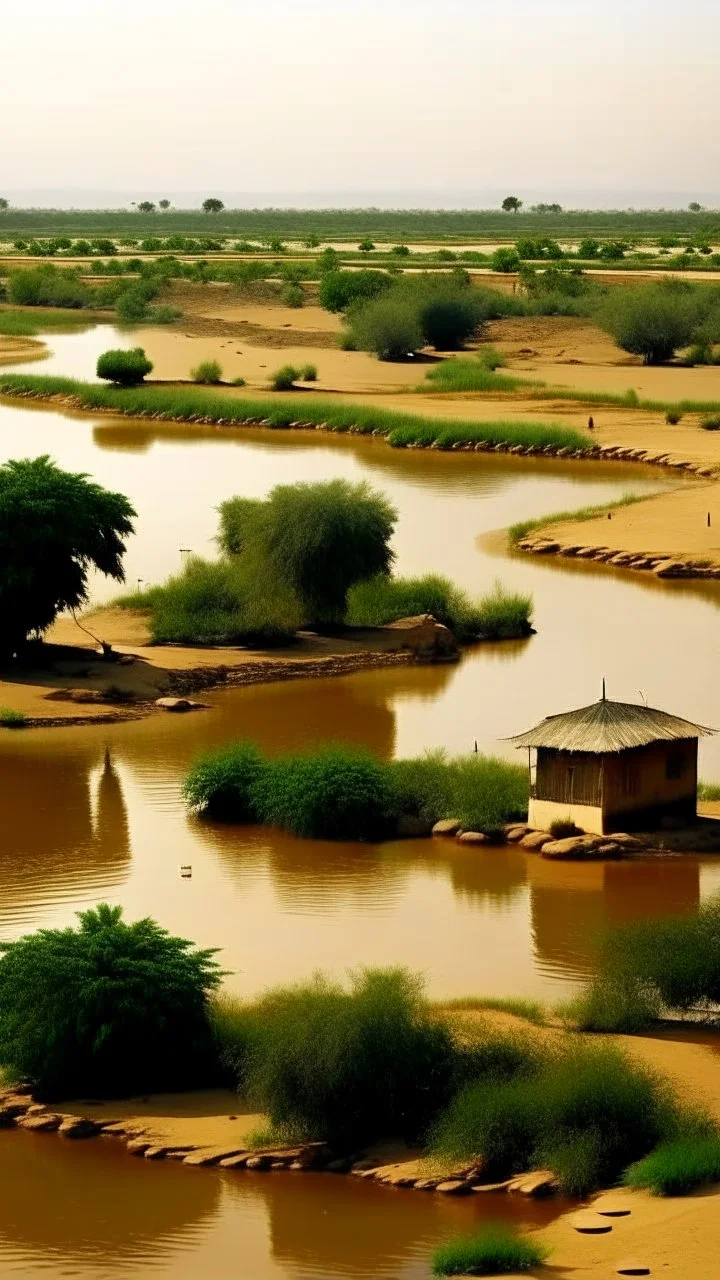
(95,814)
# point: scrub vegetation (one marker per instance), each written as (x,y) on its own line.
(383,599)
(523,527)
(495,1251)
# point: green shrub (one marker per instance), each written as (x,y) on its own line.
(678,1167)
(293,296)
(284,378)
(331,793)
(585,1113)
(388,326)
(561,828)
(239,382)
(308,373)
(482,792)
(48,286)
(220,602)
(672,417)
(132,304)
(651,321)
(505,260)
(11,719)
(345,1067)
(383,599)
(106,1009)
(316,539)
(220,783)
(494,1251)
(339,289)
(208,372)
(698,353)
(711,422)
(126,368)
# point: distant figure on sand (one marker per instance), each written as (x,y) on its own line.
(591,424)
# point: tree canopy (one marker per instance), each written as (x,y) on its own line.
(55,526)
(654,320)
(511,204)
(107,1008)
(318,539)
(211,205)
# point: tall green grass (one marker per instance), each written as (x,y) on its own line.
(189,404)
(383,599)
(678,1167)
(468,373)
(708,791)
(25,325)
(522,528)
(495,1251)
(340,792)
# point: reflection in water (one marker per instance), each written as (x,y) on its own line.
(88,1210)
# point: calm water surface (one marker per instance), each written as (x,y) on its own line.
(90,1210)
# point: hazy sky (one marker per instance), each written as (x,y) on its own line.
(544,98)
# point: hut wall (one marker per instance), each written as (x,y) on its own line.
(569,777)
(542,813)
(649,781)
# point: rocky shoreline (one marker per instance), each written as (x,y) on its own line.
(702,836)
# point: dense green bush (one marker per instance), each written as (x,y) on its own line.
(132,304)
(284,378)
(383,599)
(48,286)
(340,289)
(389,326)
(219,602)
(345,1066)
(208,372)
(69,525)
(672,963)
(494,1251)
(505,260)
(293,296)
(331,793)
(678,1167)
(586,1113)
(304,793)
(127,368)
(651,321)
(106,1009)
(317,539)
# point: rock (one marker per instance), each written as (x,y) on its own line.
(138,1146)
(447,827)
(425,636)
(472,837)
(46,1123)
(610,1207)
(609,850)
(259,1164)
(540,1183)
(454,1187)
(361,1167)
(426,1184)
(630,1267)
(36,1109)
(573,847)
(175,704)
(671,569)
(492,1188)
(163,1152)
(535,840)
(591,1224)
(79,1127)
(212,1155)
(627,841)
(235,1162)
(516,831)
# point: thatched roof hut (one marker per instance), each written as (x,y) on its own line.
(612,765)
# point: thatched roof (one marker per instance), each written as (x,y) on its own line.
(608,726)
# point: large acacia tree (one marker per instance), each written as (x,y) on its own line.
(55,526)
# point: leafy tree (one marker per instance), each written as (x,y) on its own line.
(612,251)
(339,289)
(328,260)
(164,204)
(652,321)
(318,539)
(54,527)
(128,368)
(4,204)
(212,205)
(588,248)
(106,1009)
(511,204)
(146,206)
(547,208)
(694,207)
(366,246)
(505,260)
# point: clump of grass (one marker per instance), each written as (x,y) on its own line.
(529,1010)
(188,403)
(678,1167)
(308,373)
(468,373)
(284,378)
(342,1065)
(585,1113)
(208,372)
(523,527)
(383,599)
(11,719)
(561,828)
(708,791)
(239,382)
(495,1251)
(672,417)
(293,296)
(711,422)
(337,792)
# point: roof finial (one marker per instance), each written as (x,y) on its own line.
(603,693)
